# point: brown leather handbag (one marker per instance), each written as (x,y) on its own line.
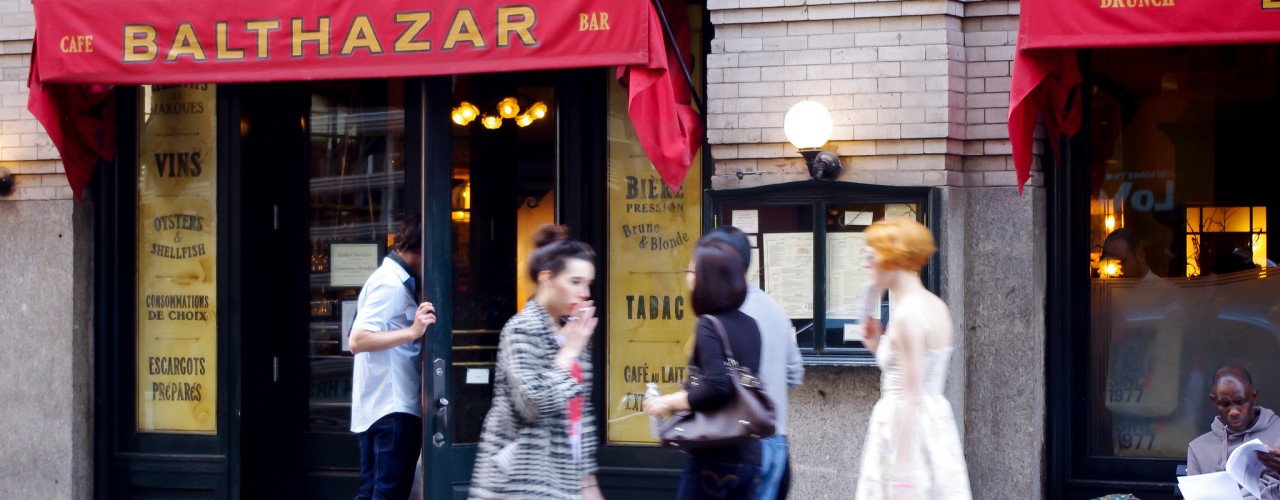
(747,416)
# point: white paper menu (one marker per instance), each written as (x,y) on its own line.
(847,274)
(788,272)
(746,220)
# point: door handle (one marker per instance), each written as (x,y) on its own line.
(442,421)
(441,413)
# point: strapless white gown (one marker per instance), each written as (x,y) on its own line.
(939,469)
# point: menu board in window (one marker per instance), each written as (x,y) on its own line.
(177,308)
(847,275)
(788,272)
(810,254)
(848,272)
(783,247)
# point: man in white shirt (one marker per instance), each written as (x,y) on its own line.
(386,403)
(1127,247)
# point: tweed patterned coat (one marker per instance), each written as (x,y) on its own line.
(531,396)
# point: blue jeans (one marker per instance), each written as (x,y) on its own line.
(773,462)
(719,480)
(388,454)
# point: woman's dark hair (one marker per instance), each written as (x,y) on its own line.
(409,237)
(733,237)
(720,278)
(553,248)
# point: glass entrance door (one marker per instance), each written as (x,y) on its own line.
(501,184)
(356,198)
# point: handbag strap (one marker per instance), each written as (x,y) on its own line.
(724,339)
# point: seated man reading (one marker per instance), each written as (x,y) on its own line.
(1238,421)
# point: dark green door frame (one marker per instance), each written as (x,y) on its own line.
(128,463)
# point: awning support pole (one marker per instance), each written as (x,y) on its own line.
(671,40)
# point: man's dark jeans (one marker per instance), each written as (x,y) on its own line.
(388,454)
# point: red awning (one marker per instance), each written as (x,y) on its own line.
(1045,72)
(81,45)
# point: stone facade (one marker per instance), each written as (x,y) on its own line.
(47,359)
(918,92)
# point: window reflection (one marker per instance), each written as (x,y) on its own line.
(504,181)
(1183,281)
(357,200)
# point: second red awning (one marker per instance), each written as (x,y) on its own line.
(1045,72)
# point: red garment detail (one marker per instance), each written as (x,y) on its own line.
(575,404)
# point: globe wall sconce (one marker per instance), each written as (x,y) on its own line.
(808,127)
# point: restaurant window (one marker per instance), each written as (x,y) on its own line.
(809,253)
(177,277)
(1182,280)
(504,168)
(652,230)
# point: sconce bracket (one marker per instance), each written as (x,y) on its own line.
(742,173)
(6,182)
(822,165)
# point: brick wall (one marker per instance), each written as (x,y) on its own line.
(24,147)
(990,34)
(918,90)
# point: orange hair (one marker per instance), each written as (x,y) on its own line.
(900,243)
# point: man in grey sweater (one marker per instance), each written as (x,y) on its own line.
(1238,421)
(781,367)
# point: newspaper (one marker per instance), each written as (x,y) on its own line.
(1245,468)
(1211,486)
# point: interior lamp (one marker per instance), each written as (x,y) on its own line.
(1110,268)
(538,110)
(462,202)
(508,108)
(465,113)
(808,127)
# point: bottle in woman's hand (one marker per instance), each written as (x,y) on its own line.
(655,423)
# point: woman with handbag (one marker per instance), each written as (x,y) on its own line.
(539,438)
(730,469)
(913,446)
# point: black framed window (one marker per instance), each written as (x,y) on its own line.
(356,187)
(810,254)
(1160,247)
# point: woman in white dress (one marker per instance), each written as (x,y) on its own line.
(913,446)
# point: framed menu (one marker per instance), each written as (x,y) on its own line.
(812,258)
(789,272)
